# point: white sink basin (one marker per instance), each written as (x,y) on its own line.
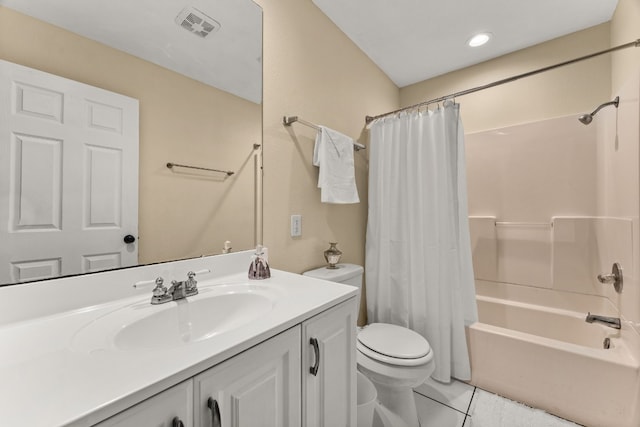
(142,326)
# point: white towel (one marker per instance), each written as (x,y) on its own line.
(333,154)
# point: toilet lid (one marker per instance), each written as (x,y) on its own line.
(394,341)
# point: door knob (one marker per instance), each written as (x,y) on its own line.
(129,238)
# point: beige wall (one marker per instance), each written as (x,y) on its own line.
(311,69)
(625,27)
(567,90)
(181,120)
(314,71)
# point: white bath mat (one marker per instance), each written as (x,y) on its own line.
(490,410)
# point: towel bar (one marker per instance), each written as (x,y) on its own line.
(172,165)
(288,121)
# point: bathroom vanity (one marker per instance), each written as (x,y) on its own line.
(277,352)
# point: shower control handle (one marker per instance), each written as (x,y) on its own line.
(615,277)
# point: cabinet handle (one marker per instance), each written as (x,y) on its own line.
(316,350)
(215,412)
(177,423)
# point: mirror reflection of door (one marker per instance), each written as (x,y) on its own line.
(68,176)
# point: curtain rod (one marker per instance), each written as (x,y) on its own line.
(635,43)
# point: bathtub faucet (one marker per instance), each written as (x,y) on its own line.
(612,322)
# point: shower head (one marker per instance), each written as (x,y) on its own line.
(585,119)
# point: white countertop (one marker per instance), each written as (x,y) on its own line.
(47,380)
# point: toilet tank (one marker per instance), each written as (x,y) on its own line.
(349,274)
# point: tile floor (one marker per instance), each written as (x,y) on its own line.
(462,405)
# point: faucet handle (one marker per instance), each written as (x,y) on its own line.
(191,282)
(160,293)
(198,272)
(160,289)
(143,283)
(614,278)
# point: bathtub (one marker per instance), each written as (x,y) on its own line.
(548,357)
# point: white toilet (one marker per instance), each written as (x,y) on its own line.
(394,358)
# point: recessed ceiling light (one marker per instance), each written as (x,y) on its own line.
(479,39)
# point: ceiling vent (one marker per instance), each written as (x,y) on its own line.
(197,22)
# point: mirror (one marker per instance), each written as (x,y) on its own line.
(195,70)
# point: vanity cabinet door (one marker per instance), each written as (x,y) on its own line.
(167,409)
(259,387)
(329,367)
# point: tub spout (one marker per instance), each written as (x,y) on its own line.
(612,322)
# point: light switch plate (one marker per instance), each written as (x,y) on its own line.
(296,225)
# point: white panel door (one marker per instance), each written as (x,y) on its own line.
(68,176)
(329,368)
(257,388)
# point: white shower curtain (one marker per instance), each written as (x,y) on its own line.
(418,254)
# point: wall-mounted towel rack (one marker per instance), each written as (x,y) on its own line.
(172,165)
(288,121)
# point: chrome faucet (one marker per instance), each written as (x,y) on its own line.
(612,322)
(178,290)
(614,278)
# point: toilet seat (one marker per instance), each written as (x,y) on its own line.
(394,345)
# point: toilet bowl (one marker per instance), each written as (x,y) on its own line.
(366,401)
(394,358)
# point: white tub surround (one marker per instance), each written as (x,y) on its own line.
(54,373)
(548,357)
